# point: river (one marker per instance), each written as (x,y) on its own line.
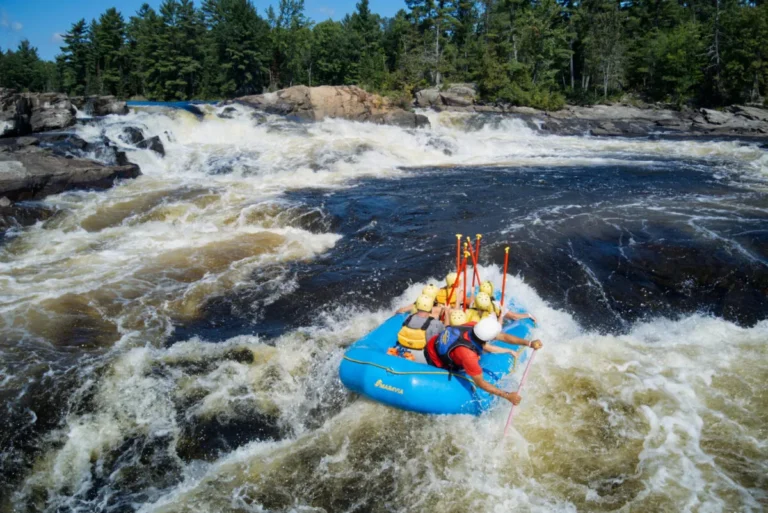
(172,344)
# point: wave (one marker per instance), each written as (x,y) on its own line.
(607,421)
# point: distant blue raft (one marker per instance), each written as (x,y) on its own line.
(368,370)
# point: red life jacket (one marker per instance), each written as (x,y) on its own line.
(451,338)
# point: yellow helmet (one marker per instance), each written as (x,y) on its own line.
(430,290)
(458,317)
(483,301)
(487,287)
(424,303)
(451,279)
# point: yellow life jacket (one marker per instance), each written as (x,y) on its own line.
(413,338)
(442,295)
(485,313)
(474,315)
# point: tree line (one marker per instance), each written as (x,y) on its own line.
(526,52)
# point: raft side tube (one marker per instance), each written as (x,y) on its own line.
(368,370)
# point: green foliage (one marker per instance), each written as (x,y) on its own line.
(330,41)
(238,41)
(23,70)
(524,52)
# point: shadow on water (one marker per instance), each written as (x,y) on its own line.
(612,245)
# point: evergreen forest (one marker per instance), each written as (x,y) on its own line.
(540,53)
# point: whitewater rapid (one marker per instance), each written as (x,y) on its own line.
(182,331)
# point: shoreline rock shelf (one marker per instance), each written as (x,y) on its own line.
(616,120)
(344,102)
(29,173)
(32,173)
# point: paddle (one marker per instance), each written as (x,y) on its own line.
(519,389)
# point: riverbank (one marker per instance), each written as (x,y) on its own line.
(609,120)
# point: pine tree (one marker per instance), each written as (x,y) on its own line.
(238,48)
(75,56)
(23,70)
(144,44)
(290,42)
(178,67)
(330,65)
(108,37)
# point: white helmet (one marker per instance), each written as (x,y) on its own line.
(487,329)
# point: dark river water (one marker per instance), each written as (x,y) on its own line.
(173,344)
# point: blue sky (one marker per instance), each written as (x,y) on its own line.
(43,21)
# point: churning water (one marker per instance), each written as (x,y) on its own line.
(172,344)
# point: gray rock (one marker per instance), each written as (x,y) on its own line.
(403,119)
(227,112)
(153,143)
(422,121)
(36,174)
(714,117)
(62,143)
(132,135)
(455,100)
(18,144)
(100,105)
(428,98)
(5,202)
(466,90)
(528,111)
(26,113)
(19,215)
(751,113)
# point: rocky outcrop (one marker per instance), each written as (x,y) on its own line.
(100,105)
(153,143)
(131,135)
(622,120)
(27,113)
(345,102)
(609,120)
(455,95)
(19,215)
(28,172)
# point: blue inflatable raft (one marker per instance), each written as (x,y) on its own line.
(368,370)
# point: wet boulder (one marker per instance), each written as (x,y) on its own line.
(714,117)
(19,215)
(455,95)
(459,95)
(27,113)
(34,174)
(132,135)
(63,143)
(228,112)
(19,144)
(100,105)
(403,119)
(153,143)
(428,98)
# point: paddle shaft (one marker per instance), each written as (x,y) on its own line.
(455,283)
(473,254)
(519,389)
(504,278)
(475,259)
